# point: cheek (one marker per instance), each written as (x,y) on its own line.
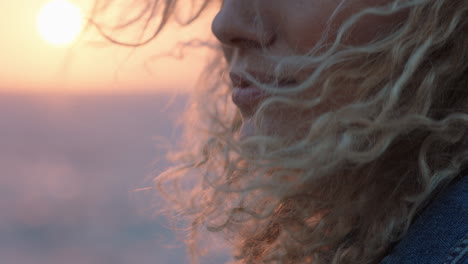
(371,28)
(304,29)
(304,38)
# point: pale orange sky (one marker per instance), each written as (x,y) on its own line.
(29,64)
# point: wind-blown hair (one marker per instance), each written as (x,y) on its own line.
(347,187)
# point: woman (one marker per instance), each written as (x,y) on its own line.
(328,132)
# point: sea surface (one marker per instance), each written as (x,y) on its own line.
(70,165)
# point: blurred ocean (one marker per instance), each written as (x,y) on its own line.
(69,164)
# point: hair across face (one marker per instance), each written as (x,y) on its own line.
(373,82)
(333,168)
(256,30)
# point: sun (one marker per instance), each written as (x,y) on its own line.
(59,22)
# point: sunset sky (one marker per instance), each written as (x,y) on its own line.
(83,126)
(28,63)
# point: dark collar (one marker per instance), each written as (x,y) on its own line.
(438,229)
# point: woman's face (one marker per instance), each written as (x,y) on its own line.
(288,27)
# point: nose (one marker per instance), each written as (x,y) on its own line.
(237,24)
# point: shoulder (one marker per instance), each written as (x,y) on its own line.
(440,233)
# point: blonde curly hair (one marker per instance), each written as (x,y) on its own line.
(347,187)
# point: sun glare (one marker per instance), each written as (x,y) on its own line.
(59,22)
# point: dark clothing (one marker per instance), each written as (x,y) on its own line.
(439,235)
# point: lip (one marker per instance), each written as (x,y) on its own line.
(246,95)
(248,98)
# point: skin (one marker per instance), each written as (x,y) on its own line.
(290,27)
